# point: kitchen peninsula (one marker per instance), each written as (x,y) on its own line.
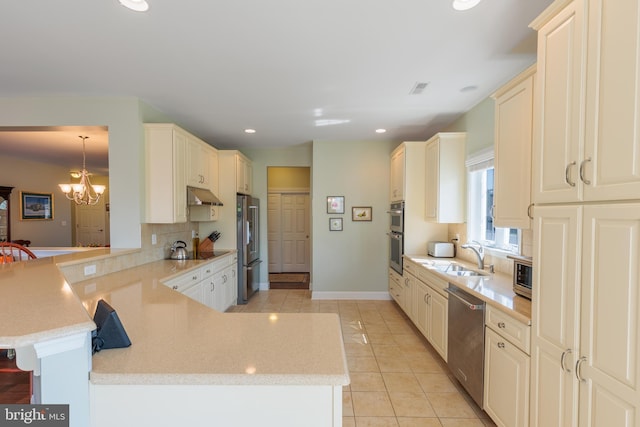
(187,365)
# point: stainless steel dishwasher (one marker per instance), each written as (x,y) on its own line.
(466,341)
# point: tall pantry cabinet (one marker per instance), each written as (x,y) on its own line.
(586,190)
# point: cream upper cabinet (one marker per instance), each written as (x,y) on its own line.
(513,135)
(244,174)
(165,174)
(396,188)
(202,165)
(445,178)
(587,110)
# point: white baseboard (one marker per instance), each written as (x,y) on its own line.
(351,295)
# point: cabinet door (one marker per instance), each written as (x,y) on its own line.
(612,154)
(506,391)
(610,323)
(512,179)
(555,315)
(396,288)
(420,313)
(179,177)
(432,165)
(396,188)
(195,292)
(438,321)
(409,282)
(244,175)
(558,113)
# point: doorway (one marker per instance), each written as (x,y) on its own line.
(289,227)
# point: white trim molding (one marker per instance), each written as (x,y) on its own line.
(351,295)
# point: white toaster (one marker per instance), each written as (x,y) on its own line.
(440,249)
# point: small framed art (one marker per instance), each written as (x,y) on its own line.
(36,206)
(335,204)
(335,224)
(361,213)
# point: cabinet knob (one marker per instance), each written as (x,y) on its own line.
(175,287)
(501,325)
(194,278)
(500,345)
(562,359)
(567,174)
(579,369)
(582,178)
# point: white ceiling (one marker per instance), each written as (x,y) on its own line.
(294,70)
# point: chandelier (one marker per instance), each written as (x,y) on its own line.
(83,193)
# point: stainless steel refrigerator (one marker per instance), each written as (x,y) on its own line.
(248,229)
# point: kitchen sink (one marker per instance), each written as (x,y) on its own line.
(451,268)
(464,273)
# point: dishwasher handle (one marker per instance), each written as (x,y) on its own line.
(469,305)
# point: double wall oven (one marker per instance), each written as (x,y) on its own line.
(396,236)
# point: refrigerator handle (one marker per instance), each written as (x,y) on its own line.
(247,233)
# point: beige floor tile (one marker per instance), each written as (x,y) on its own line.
(376,422)
(371,404)
(401,382)
(411,405)
(362,364)
(432,383)
(450,405)
(357,350)
(389,351)
(391,364)
(347,405)
(408,339)
(377,338)
(461,422)
(376,328)
(366,381)
(359,338)
(418,422)
(348,422)
(425,365)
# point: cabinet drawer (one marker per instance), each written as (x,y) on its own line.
(409,266)
(509,328)
(396,289)
(185,281)
(431,279)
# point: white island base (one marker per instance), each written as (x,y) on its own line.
(213,405)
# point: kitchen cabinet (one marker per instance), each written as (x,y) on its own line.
(202,165)
(396,188)
(409,283)
(165,174)
(445,176)
(585,359)
(427,306)
(408,176)
(396,287)
(512,162)
(585,139)
(244,174)
(585,305)
(507,365)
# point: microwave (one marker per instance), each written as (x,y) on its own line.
(522,275)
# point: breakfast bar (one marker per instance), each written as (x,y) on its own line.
(188,364)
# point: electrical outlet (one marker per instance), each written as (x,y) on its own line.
(193,234)
(154,239)
(89,270)
(457,237)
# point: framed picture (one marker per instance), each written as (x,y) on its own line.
(36,206)
(335,204)
(361,213)
(335,224)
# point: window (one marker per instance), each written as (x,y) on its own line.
(480,215)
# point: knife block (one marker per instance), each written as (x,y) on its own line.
(206,245)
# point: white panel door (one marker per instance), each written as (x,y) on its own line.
(274,233)
(610,362)
(555,315)
(612,141)
(91,224)
(295,233)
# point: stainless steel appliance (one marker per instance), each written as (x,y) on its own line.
(396,236)
(466,341)
(522,275)
(248,229)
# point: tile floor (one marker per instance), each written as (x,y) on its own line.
(397,378)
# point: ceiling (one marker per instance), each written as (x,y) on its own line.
(295,71)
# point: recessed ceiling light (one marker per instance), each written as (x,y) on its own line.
(468,88)
(465,4)
(137,5)
(381,130)
(249,131)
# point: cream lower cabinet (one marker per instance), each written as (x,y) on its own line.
(396,287)
(431,310)
(506,369)
(586,357)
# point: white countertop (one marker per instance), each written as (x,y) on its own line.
(495,289)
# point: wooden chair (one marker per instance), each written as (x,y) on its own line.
(12,252)
(22,242)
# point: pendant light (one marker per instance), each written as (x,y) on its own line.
(83,193)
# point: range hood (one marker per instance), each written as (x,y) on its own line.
(200,196)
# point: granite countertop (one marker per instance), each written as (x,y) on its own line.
(176,340)
(495,289)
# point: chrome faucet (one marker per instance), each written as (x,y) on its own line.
(479,251)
